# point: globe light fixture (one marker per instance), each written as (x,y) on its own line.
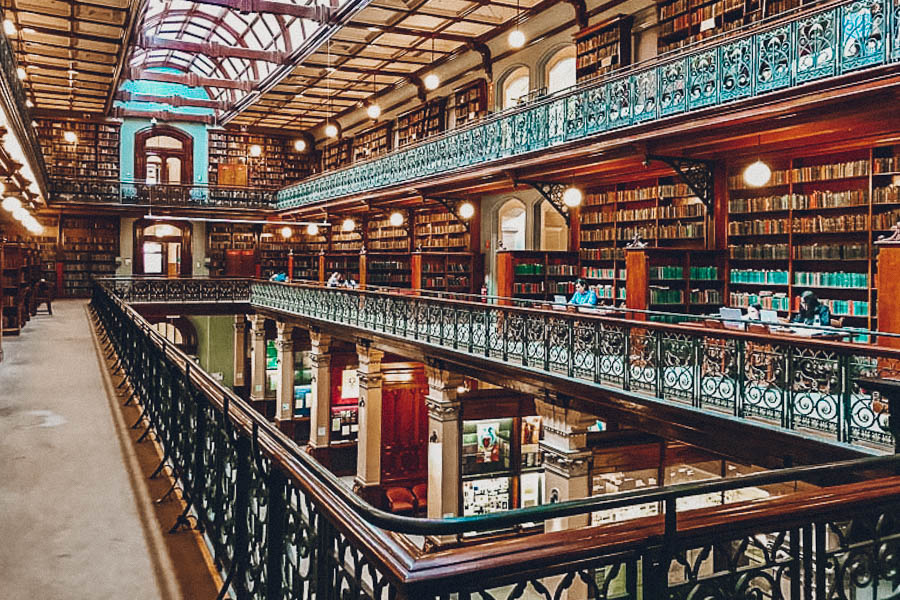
(373,110)
(757,174)
(396,219)
(331,130)
(572,197)
(11,203)
(312,229)
(286,232)
(70,137)
(300,145)
(432,81)
(21,72)
(516,38)
(348,225)
(255,150)
(20,214)
(466,210)
(9,28)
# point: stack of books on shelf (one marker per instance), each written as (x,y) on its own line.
(667,272)
(706,296)
(665,296)
(759,252)
(759,276)
(704,273)
(765,298)
(853,251)
(836,224)
(529,269)
(841,170)
(841,308)
(831,279)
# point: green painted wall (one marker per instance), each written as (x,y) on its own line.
(215,345)
(197,131)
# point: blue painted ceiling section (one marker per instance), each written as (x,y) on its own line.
(160,88)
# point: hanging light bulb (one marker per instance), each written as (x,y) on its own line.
(757,174)
(21,72)
(9,28)
(286,232)
(331,130)
(70,137)
(29,103)
(20,214)
(11,203)
(255,150)
(374,111)
(572,196)
(300,145)
(432,81)
(312,229)
(516,38)
(396,219)
(348,225)
(466,210)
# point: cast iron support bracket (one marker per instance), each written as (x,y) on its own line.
(452,206)
(696,173)
(552,193)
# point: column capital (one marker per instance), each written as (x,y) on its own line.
(240,323)
(442,411)
(320,342)
(369,357)
(285,330)
(257,325)
(284,344)
(566,464)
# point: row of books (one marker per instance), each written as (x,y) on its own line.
(831,252)
(820,224)
(706,296)
(839,279)
(664,295)
(759,252)
(758,227)
(667,272)
(601,273)
(704,273)
(847,308)
(854,168)
(772,277)
(889,164)
(778,177)
(602,253)
(767,299)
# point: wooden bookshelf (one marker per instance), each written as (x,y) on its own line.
(683,280)
(94,156)
(18,279)
(279,164)
(470,102)
(383,237)
(439,230)
(422,122)
(234,239)
(392,269)
(373,142)
(337,154)
(275,250)
(813,227)
(662,211)
(444,271)
(536,274)
(89,247)
(603,47)
(345,263)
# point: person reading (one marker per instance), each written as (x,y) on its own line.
(583,296)
(754,312)
(812,312)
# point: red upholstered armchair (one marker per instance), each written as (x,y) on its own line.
(401,501)
(420,491)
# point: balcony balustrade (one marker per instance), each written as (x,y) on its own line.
(281,526)
(142,193)
(788,52)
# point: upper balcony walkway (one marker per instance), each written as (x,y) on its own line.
(685,380)
(811,48)
(282,526)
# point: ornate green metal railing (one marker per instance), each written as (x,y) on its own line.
(810,46)
(797,383)
(282,526)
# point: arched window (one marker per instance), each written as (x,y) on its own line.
(516,86)
(162,248)
(560,70)
(554,232)
(163,154)
(512,225)
(180,331)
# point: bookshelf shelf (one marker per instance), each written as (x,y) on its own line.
(470,102)
(422,122)
(603,47)
(230,163)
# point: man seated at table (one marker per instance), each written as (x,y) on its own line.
(754,312)
(583,296)
(812,312)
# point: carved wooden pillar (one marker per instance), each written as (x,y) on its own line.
(240,349)
(257,358)
(284,384)
(320,410)
(368,454)
(567,458)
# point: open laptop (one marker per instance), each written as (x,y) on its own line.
(768,316)
(732,317)
(559,299)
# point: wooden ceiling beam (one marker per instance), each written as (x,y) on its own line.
(450,37)
(210,49)
(189,79)
(176,101)
(320,14)
(160,115)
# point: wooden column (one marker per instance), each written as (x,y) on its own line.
(284,384)
(257,358)
(322,277)
(566,458)
(320,410)
(443,440)
(362,269)
(240,349)
(368,455)
(888,286)
(637,281)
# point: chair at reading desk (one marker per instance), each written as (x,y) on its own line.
(714,324)
(757,328)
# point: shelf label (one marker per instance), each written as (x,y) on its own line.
(708,24)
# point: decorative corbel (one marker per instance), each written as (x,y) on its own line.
(421,92)
(581,17)
(486,59)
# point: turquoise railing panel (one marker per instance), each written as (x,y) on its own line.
(812,46)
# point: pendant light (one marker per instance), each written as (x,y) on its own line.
(757,174)
(373,110)
(331,129)
(348,224)
(516,38)
(572,196)
(432,81)
(312,229)
(467,210)
(396,218)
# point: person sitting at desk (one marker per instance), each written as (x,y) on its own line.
(753,312)
(583,296)
(812,312)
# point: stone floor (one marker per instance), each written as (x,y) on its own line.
(77,517)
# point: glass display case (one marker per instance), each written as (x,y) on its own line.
(302,378)
(486,446)
(345,407)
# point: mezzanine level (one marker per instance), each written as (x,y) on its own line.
(280,525)
(814,53)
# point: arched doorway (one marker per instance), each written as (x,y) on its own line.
(511,221)
(162,249)
(163,154)
(178,330)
